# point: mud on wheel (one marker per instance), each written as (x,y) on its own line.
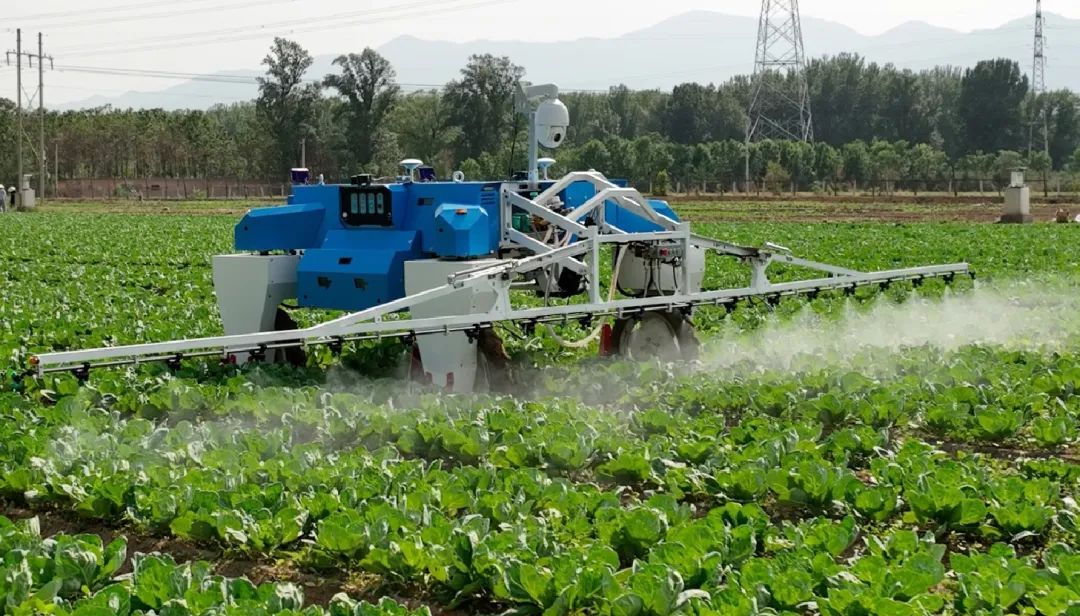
(668,336)
(294,356)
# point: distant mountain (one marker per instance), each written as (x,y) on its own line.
(697,46)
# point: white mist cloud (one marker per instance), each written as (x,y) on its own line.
(1015,315)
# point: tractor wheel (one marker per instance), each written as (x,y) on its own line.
(667,336)
(494,362)
(294,356)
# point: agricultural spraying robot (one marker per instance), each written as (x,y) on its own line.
(440,263)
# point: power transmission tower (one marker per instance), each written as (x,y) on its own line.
(38,96)
(1038,85)
(780,97)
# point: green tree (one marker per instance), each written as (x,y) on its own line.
(650,156)
(842,88)
(1005,163)
(682,165)
(926,164)
(857,164)
(797,158)
(703,164)
(661,184)
(8,162)
(367,83)
(729,159)
(941,88)
(481,103)
(828,165)
(594,155)
(901,115)
(621,157)
(887,163)
(422,124)
(1041,163)
(1063,109)
(777,178)
(285,102)
(1074,161)
(387,154)
(991,103)
(471,168)
(761,154)
(686,117)
(628,111)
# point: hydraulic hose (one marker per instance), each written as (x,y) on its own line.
(588,340)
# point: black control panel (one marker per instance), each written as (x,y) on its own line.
(366,206)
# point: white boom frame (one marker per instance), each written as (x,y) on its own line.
(583,253)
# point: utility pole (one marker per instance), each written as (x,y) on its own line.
(779,107)
(19,127)
(1038,85)
(39,96)
(41,115)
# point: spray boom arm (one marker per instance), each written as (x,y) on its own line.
(583,252)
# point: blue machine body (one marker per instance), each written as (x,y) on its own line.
(356,238)
(462,231)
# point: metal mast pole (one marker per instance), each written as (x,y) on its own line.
(780,97)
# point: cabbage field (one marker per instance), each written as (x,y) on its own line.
(904,452)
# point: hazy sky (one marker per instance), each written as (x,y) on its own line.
(172,35)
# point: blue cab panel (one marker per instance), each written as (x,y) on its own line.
(292,227)
(354,270)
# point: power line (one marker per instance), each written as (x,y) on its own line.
(705,36)
(97,11)
(290,27)
(78,23)
(122,91)
(226,79)
(125,72)
(209,77)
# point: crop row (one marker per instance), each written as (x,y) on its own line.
(386,489)
(78,575)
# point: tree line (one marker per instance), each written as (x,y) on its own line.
(876,125)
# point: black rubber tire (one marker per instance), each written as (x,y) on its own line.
(689,346)
(294,356)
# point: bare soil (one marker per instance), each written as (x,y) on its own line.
(900,198)
(803,208)
(796,212)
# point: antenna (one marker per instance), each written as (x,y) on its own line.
(780,100)
(1038,85)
